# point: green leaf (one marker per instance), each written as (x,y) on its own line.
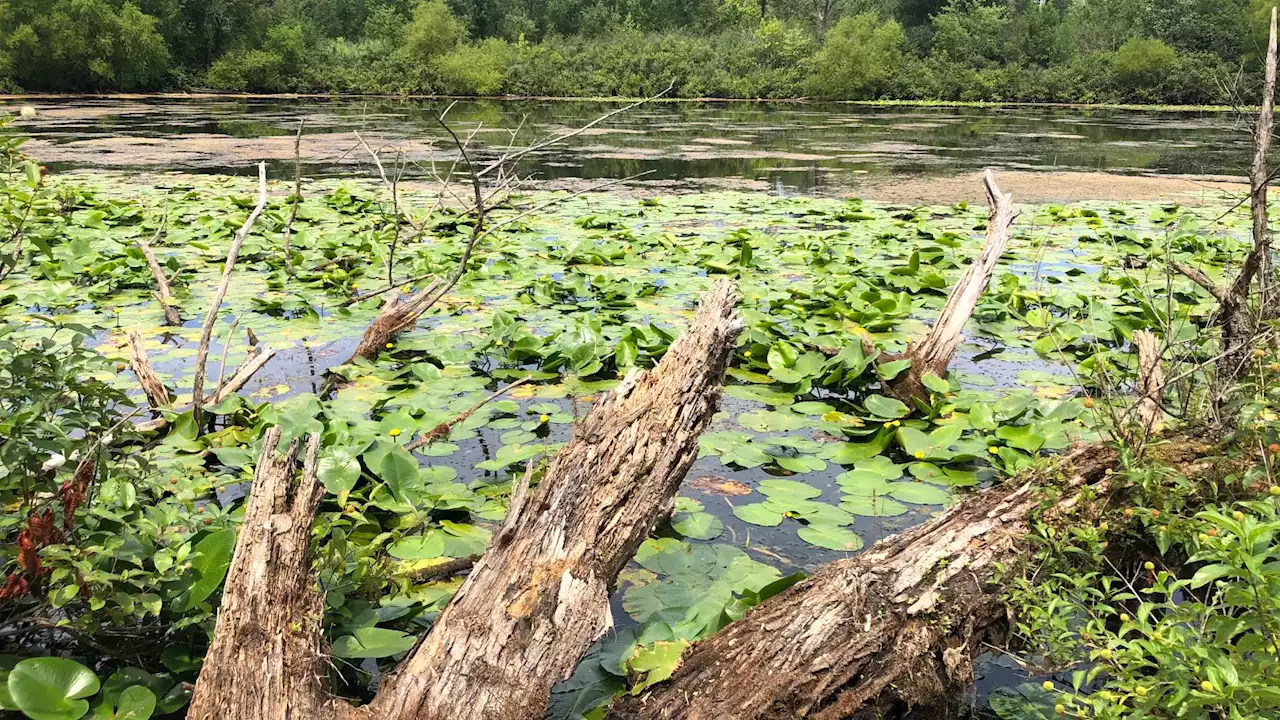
(981,417)
(885,408)
(657,661)
(831,537)
(935,383)
(210,559)
(419,547)
(873,506)
(757,514)
(50,688)
(338,469)
(892,369)
(373,642)
(918,493)
(698,525)
(777,488)
(1209,573)
(137,702)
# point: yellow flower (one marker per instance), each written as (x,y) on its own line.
(747,354)
(897,423)
(919,455)
(1047,685)
(390,345)
(543,418)
(993,449)
(394,432)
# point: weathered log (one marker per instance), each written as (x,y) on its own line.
(893,628)
(164,294)
(529,608)
(155,391)
(267,655)
(398,313)
(1151,382)
(934,353)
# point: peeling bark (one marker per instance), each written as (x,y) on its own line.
(893,628)
(934,353)
(155,391)
(1151,381)
(529,608)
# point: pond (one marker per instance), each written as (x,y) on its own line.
(806,463)
(779,147)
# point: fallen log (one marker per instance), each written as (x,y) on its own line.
(934,353)
(893,628)
(529,608)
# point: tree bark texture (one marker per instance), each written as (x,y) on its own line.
(530,607)
(893,628)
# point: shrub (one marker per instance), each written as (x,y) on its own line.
(473,69)
(859,58)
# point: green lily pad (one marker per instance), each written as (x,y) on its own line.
(831,537)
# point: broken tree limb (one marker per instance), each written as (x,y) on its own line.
(934,353)
(893,628)
(243,374)
(164,294)
(266,656)
(1151,382)
(155,391)
(215,307)
(398,313)
(443,429)
(529,608)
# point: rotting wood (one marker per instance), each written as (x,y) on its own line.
(934,353)
(529,608)
(1151,381)
(163,293)
(399,313)
(155,391)
(215,307)
(893,628)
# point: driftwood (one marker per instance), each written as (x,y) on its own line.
(934,353)
(296,200)
(164,294)
(443,429)
(215,307)
(155,391)
(1233,315)
(893,628)
(529,608)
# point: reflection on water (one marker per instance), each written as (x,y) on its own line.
(788,146)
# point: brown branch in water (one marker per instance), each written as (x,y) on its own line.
(297,199)
(164,294)
(934,353)
(1198,277)
(215,307)
(155,391)
(445,569)
(443,429)
(243,374)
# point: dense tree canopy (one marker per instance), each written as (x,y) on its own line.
(1177,51)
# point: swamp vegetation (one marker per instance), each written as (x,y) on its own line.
(461,448)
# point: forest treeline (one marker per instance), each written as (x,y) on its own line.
(1091,51)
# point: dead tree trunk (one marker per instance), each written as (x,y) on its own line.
(164,293)
(934,353)
(893,628)
(1151,381)
(531,606)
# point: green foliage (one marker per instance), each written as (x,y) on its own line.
(859,58)
(81,45)
(1143,62)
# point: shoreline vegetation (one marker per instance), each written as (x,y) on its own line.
(206,94)
(1122,53)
